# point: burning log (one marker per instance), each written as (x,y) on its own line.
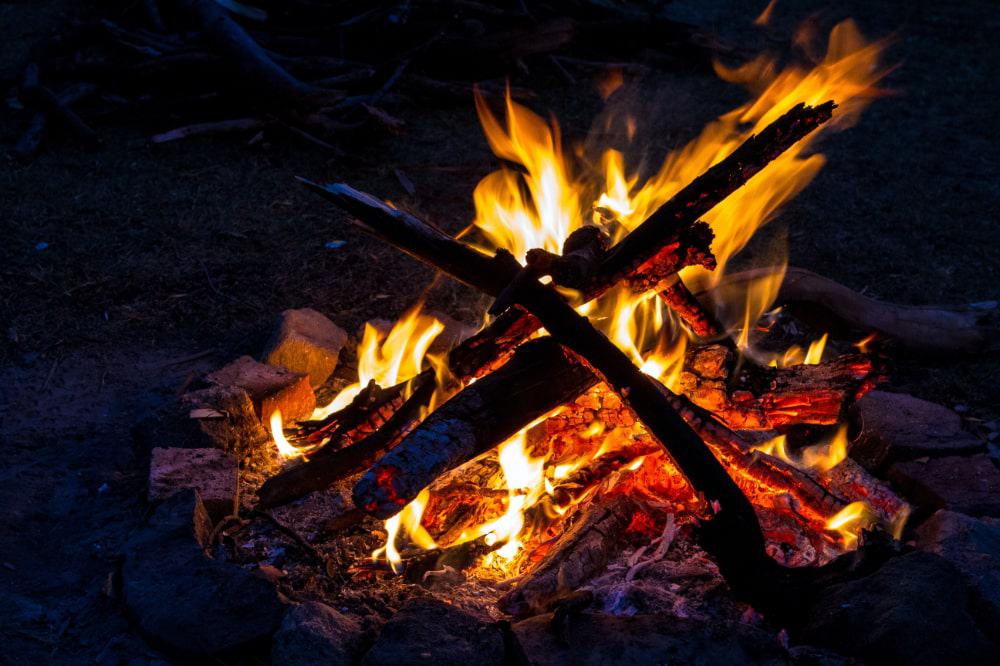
(582,552)
(473,421)
(775,397)
(672,238)
(679,299)
(367,412)
(576,485)
(327,469)
(963,329)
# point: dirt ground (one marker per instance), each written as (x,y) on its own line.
(164,261)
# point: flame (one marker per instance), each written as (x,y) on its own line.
(285,448)
(409,520)
(850,520)
(819,457)
(540,196)
(389,358)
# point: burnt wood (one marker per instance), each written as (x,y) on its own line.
(535,381)
(325,470)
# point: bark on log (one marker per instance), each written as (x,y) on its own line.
(579,555)
(323,471)
(930,329)
(473,421)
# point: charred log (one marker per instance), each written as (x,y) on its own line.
(581,553)
(473,421)
(766,398)
(326,470)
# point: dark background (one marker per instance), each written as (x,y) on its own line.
(158,253)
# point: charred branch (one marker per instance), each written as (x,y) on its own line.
(327,469)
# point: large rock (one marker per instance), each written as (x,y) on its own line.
(591,639)
(213,473)
(913,611)
(968,484)
(314,633)
(427,631)
(306,342)
(896,426)
(972,545)
(186,603)
(270,388)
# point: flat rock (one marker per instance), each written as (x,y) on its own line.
(428,631)
(314,633)
(454,332)
(972,545)
(968,484)
(270,388)
(184,602)
(896,426)
(213,473)
(593,639)
(306,342)
(913,610)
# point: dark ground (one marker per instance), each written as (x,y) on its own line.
(158,253)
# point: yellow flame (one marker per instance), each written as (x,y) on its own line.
(409,520)
(850,520)
(388,358)
(819,457)
(285,448)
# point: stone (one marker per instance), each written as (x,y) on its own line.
(594,638)
(972,545)
(213,473)
(428,631)
(186,603)
(913,610)
(968,484)
(314,633)
(224,418)
(270,388)
(306,342)
(895,426)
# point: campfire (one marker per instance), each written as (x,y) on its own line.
(625,383)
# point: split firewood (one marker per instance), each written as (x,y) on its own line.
(581,553)
(941,329)
(327,469)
